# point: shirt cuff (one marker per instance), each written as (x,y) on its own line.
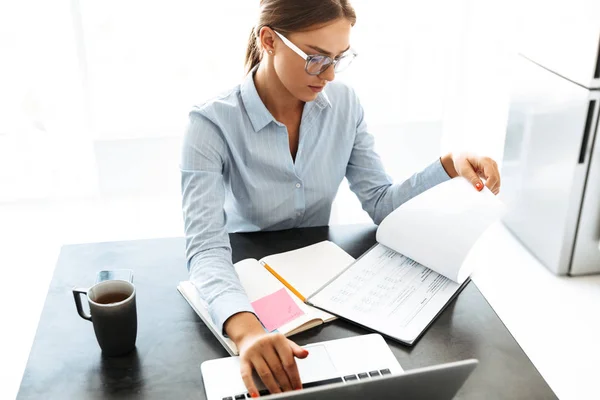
(227,305)
(434,174)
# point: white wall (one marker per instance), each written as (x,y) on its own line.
(433,78)
(86,78)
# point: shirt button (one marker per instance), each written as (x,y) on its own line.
(298,214)
(298,185)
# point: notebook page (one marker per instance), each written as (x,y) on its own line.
(258,283)
(389,293)
(439,227)
(309,268)
(191,295)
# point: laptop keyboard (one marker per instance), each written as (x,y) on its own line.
(347,378)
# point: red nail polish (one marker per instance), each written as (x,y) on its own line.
(479,186)
(254,395)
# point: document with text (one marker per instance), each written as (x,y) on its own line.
(401,284)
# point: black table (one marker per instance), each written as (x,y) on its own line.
(66,363)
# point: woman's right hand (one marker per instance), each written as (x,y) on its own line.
(270,354)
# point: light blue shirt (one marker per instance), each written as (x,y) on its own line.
(238,175)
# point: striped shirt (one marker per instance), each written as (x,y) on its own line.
(238,175)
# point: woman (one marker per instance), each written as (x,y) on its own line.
(270,154)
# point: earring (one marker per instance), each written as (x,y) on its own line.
(270,51)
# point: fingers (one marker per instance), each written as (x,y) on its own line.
(488,169)
(272,356)
(265,374)
(493,184)
(246,372)
(276,366)
(474,168)
(468,172)
(491,173)
(297,350)
(286,355)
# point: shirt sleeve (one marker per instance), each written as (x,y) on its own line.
(208,250)
(376,191)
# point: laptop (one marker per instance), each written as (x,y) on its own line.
(359,367)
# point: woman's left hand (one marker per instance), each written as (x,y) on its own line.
(473,168)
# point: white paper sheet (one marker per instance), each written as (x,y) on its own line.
(439,227)
(310,267)
(389,293)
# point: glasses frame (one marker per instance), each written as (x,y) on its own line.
(309,57)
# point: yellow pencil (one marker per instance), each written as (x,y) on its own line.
(285,283)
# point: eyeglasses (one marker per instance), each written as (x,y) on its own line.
(316,64)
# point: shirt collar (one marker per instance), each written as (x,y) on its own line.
(322,100)
(255,108)
(257,111)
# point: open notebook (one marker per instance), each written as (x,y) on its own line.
(401,284)
(277,286)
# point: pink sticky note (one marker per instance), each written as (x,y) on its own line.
(276,309)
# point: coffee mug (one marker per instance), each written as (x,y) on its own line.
(113,314)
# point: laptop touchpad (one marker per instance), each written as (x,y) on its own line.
(317,366)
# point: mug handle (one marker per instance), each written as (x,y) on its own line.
(77,296)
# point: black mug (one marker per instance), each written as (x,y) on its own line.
(113,314)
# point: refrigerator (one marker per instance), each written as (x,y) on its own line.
(551,166)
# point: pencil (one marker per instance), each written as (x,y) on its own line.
(285,283)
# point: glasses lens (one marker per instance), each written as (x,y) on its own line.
(318,64)
(344,62)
